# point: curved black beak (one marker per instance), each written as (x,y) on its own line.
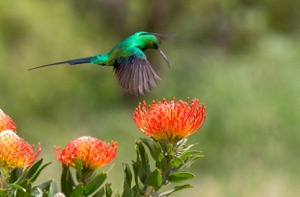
(164,56)
(160,38)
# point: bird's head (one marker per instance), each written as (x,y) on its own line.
(153,41)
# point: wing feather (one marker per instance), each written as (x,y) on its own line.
(146,80)
(141,81)
(135,75)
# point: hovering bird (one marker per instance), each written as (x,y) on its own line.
(134,72)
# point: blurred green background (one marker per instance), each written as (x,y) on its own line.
(240,58)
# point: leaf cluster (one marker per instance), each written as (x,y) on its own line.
(170,161)
(20,183)
(87,183)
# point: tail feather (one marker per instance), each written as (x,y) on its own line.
(70,62)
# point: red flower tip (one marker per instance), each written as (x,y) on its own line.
(15,152)
(92,152)
(6,123)
(171,120)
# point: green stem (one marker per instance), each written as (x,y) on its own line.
(4,177)
(86,176)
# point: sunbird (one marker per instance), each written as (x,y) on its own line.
(134,72)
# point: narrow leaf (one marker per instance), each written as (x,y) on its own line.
(48,186)
(155,179)
(52,188)
(17,187)
(99,193)
(135,191)
(153,146)
(175,162)
(108,190)
(95,183)
(175,189)
(189,161)
(67,182)
(33,169)
(78,191)
(78,164)
(15,174)
(161,162)
(186,148)
(22,177)
(138,168)
(37,173)
(180,176)
(193,153)
(3,193)
(144,157)
(26,192)
(127,180)
(135,167)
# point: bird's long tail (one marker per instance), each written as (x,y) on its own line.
(70,62)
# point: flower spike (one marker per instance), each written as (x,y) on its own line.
(91,152)
(15,152)
(170,120)
(6,123)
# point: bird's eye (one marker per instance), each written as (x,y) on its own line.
(155,45)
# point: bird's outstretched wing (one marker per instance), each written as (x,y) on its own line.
(135,74)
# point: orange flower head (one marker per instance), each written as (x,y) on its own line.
(6,123)
(92,152)
(15,152)
(171,121)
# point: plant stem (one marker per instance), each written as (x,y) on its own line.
(148,191)
(4,177)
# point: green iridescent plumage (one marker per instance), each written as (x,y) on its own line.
(134,72)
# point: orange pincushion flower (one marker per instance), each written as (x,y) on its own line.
(15,152)
(171,120)
(92,152)
(6,123)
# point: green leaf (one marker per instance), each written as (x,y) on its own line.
(127,173)
(52,188)
(17,187)
(78,165)
(155,179)
(190,156)
(33,169)
(127,180)
(192,153)
(164,145)
(66,181)
(144,157)
(37,173)
(141,169)
(161,162)
(95,183)
(26,191)
(15,174)
(3,193)
(175,189)
(153,147)
(99,193)
(180,176)
(78,191)
(48,187)
(135,191)
(175,162)
(22,177)
(181,145)
(137,175)
(108,190)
